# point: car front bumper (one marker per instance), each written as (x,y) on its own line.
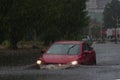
(56,66)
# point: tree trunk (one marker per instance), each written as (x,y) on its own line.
(13,44)
(13,41)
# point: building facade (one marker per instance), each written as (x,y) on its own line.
(95,8)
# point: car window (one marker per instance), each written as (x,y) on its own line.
(64,49)
(86,47)
(75,50)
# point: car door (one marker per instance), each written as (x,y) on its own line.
(87,53)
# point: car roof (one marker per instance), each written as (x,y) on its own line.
(69,42)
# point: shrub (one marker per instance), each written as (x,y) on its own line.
(6,44)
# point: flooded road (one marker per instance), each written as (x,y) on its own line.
(107,68)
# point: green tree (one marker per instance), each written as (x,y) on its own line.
(5,6)
(20,17)
(111,14)
(47,20)
(65,19)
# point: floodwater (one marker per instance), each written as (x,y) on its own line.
(107,68)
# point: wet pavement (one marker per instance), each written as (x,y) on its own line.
(107,68)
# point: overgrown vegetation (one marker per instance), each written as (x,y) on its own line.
(41,20)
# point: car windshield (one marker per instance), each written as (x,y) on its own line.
(64,49)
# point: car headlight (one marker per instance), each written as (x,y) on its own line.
(74,63)
(39,62)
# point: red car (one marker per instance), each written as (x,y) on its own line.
(67,53)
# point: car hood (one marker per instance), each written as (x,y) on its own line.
(59,59)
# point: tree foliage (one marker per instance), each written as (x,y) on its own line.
(111,14)
(46,20)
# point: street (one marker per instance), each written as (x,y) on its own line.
(107,68)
